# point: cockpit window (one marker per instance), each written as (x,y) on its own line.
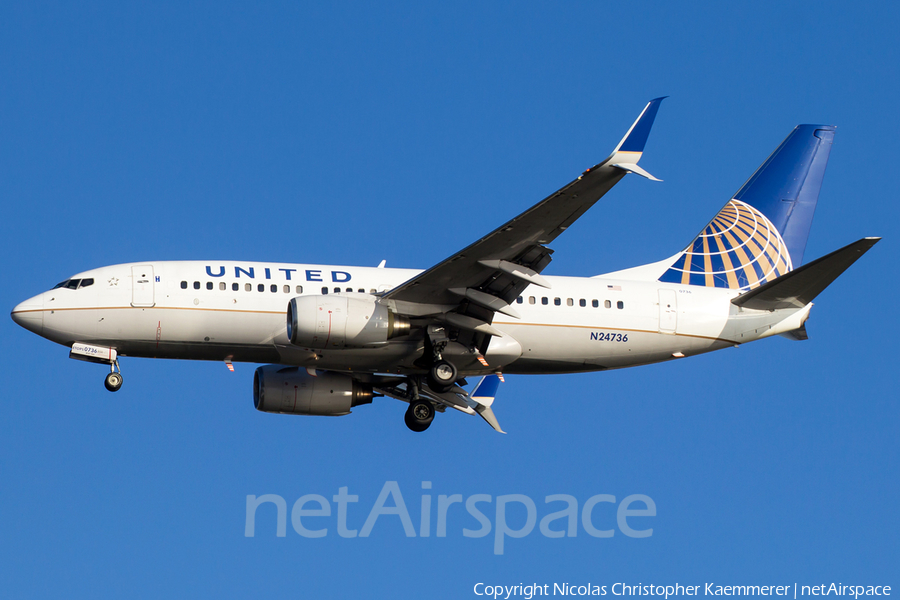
(74,284)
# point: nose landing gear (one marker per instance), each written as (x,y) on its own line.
(114,380)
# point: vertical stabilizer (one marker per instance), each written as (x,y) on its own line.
(761,232)
(786,187)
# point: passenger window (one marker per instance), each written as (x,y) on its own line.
(324,290)
(582,303)
(85,283)
(287,289)
(299,289)
(607,304)
(520,300)
(620,304)
(261,287)
(248,287)
(209,285)
(557,301)
(273,288)
(222,286)
(570,302)
(531,299)
(361,291)
(373,291)
(184,285)
(337,290)
(235,287)
(545,301)
(196,285)
(349,290)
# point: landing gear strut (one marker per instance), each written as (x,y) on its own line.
(114,380)
(443,373)
(419,415)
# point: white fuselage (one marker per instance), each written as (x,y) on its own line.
(235,311)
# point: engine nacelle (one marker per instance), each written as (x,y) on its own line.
(293,391)
(339,321)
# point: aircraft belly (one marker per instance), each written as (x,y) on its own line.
(395,357)
(557,349)
(204,334)
(198,351)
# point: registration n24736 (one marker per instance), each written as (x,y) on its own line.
(606,336)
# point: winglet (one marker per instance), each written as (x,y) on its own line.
(482,397)
(629,151)
(488,415)
(637,136)
(486,390)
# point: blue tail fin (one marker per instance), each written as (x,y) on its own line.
(761,233)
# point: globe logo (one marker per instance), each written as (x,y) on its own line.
(739,249)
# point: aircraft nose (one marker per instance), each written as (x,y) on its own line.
(30,314)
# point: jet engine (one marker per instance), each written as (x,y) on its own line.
(291,390)
(341,321)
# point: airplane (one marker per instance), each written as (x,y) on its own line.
(335,337)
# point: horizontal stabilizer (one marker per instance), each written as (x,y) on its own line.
(798,335)
(799,287)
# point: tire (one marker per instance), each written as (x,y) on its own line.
(419,415)
(113,381)
(444,372)
(442,376)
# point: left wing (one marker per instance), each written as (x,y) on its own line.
(488,275)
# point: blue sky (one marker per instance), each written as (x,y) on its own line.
(353,133)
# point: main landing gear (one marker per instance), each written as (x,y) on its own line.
(419,415)
(114,380)
(442,376)
(443,373)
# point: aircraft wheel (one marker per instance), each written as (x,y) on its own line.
(419,415)
(442,376)
(113,381)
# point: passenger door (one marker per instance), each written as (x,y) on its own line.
(142,286)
